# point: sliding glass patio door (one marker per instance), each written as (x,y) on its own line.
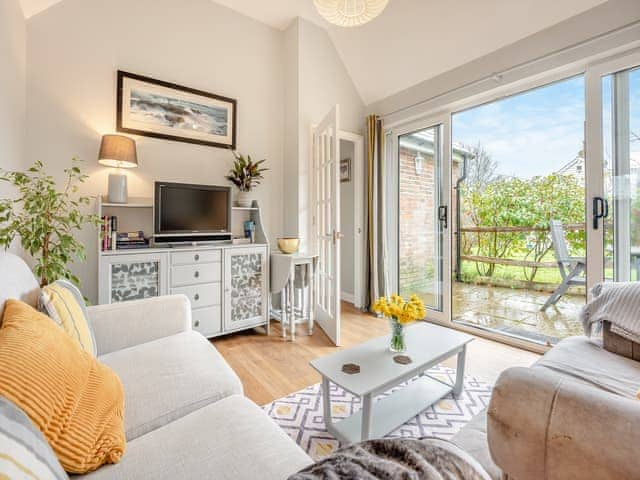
(613,172)
(421,152)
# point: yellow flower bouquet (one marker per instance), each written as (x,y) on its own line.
(400,312)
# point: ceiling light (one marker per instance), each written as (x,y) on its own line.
(350,13)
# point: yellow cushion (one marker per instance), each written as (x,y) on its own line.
(77,402)
(65,310)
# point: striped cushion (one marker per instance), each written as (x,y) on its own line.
(24,452)
(63,302)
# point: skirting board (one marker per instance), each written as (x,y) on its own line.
(348,297)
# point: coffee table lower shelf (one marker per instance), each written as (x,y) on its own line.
(390,412)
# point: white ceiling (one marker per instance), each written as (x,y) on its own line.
(413,40)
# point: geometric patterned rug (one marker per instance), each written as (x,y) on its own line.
(300,414)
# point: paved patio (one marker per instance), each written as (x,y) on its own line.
(517,312)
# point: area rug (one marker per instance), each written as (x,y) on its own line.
(300,414)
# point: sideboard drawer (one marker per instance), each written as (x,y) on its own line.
(182,275)
(200,256)
(205,295)
(207,321)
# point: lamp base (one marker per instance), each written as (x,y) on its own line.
(118,188)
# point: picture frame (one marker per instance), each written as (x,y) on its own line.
(154,108)
(345,170)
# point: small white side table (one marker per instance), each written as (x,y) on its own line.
(283,276)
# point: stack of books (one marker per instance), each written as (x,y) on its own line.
(108,227)
(131,240)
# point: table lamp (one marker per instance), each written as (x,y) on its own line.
(120,152)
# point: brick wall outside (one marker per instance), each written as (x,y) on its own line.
(417,217)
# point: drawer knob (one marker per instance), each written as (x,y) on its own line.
(196,323)
(197,274)
(196,297)
(196,257)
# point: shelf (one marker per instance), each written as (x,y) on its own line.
(254,209)
(135,202)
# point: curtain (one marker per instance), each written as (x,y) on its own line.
(376,248)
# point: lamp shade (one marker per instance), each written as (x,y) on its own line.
(118,151)
(350,13)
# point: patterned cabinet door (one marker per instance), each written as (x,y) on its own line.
(245,295)
(132,277)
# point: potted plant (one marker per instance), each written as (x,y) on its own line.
(46,219)
(246,175)
(400,312)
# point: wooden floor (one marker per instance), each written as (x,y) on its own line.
(272,367)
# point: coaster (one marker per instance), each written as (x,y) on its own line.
(350,368)
(402,359)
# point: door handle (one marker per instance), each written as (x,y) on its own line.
(443,215)
(600,210)
(337,236)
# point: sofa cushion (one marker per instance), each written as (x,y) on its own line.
(16,281)
(472,438)
(231,439)
(63,302)
(168,378)
(585,361)
(22,447)
(76,401)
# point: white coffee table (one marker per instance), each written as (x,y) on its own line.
(427,346)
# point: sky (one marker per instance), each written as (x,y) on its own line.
(536,132)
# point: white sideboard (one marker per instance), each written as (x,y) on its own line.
(227,284)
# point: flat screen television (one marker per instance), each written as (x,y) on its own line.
(185,211)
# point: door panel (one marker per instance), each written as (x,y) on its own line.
(613,169)
(326,223)
(421,153)
(621,156)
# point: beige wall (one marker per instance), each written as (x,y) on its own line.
(74,50)
(322,82)
(12,89)
(534,54)
(347,222)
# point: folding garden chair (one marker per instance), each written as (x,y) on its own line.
(571,268)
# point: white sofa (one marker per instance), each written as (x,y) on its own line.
(185,412)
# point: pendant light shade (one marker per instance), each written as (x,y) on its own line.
(350,13)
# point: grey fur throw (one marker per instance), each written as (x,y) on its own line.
(396,458)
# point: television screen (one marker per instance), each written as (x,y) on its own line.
(183,208)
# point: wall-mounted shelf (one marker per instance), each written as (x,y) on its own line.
(245,208)
(134,202)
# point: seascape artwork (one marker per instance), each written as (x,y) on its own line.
(157,109)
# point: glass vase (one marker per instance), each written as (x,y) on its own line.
(397,343)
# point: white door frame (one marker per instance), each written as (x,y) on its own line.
(357,177)
(443,119)
(594,162)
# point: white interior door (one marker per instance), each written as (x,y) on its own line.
(326,223)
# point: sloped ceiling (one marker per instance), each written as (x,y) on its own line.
(413,40)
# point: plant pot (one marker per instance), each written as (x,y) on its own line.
(244,199)
(397,343)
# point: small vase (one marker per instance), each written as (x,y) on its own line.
(397,343)
(244,199)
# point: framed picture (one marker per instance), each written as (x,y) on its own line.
(172,112)
(345,170)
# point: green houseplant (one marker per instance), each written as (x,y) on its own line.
(45,219)
(245,174)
